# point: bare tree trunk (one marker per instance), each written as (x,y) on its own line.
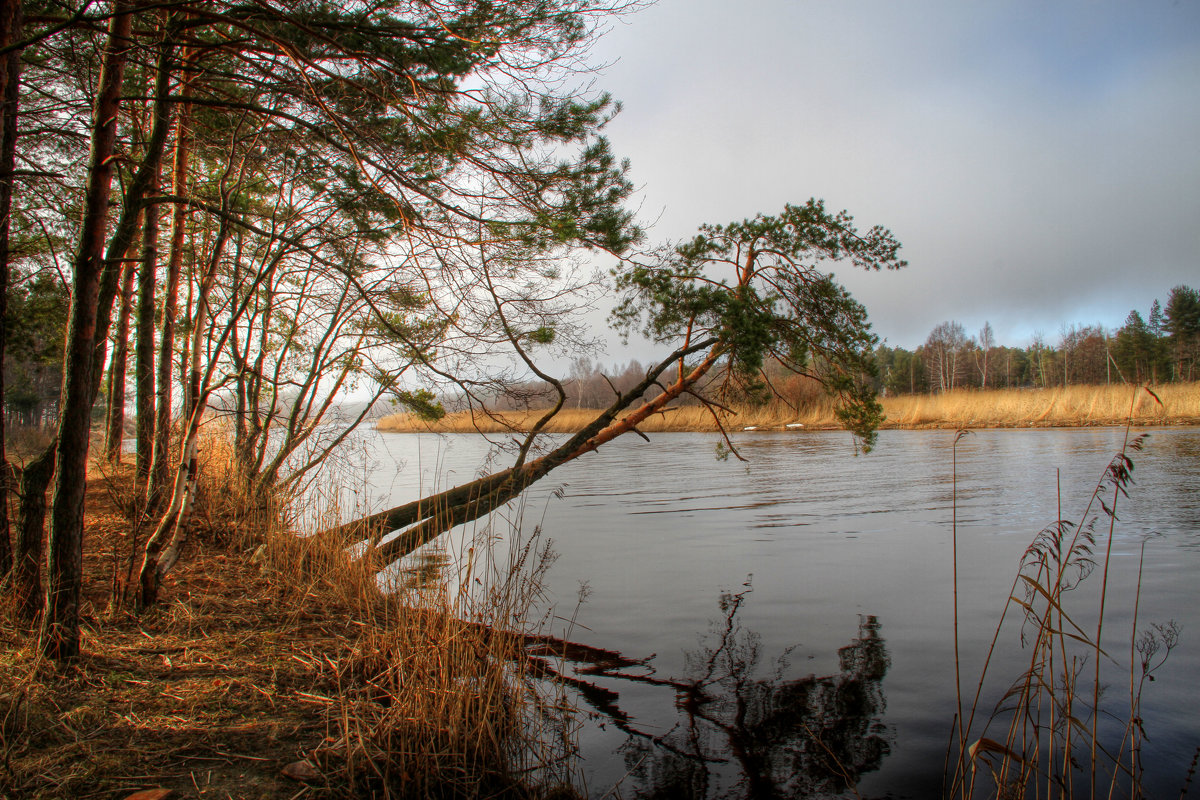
(115,430)
(60,629)
(986,343)
(186,355)
(164,545)
(162,425)
(11,24)
(31,530)
(144,353)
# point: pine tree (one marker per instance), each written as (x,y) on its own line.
(1181,321)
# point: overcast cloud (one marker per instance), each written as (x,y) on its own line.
(1039,162)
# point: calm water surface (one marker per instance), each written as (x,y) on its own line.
(810,592)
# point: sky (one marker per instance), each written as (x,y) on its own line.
(1039,162)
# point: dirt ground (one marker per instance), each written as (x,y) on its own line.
(211,694)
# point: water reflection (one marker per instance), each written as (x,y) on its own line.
(740,735)
(420,570)
(836,535)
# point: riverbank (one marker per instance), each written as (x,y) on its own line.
(1073,406)
(270,669)
(215,690)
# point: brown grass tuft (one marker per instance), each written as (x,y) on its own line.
(268,651)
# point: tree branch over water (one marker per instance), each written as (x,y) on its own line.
(777,305)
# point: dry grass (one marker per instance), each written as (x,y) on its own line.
(1072,406)
(1043,738)
(686,418)
(205,695)
(433,700)
(269,654)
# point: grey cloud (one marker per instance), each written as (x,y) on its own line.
(1035,178)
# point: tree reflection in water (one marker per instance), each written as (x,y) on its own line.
(742,736)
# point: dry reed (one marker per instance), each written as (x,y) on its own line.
(433,700)
(1048,742)
(430,700)
(272,652)
(1073,406)
(1000,408)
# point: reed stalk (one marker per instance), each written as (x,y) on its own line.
(958,716)
(1044,711)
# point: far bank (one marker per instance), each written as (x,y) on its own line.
(1072,406)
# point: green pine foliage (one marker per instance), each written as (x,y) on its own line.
(1182,324)
(37,314)
(757,288)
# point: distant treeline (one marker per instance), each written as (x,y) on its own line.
(1162,347)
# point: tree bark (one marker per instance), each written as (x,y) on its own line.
(160,466)
(31,530)
(60,629)
(164,545)
(115,432)
(428,518)
(125,231)
(119,244)
(11,24)
(144,350)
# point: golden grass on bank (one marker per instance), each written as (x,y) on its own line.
(274,667)
(429,700)
(433,700)
(1073,406)
(569,420)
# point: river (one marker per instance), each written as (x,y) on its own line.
(810,592)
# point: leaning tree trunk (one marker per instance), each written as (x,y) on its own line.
(61,621)
(425,519)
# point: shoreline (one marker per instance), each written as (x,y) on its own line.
(261,673)
(1170,405)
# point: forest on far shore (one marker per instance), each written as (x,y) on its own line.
(1162,347)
